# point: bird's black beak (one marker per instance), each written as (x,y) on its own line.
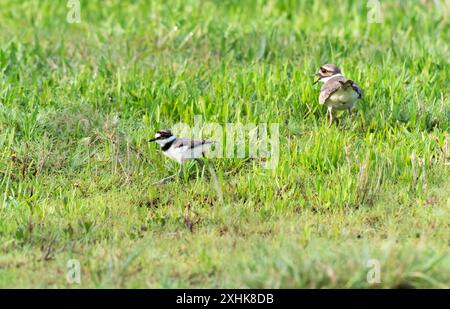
(152,140)
(317,80)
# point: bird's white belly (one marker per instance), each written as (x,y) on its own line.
(182,154)
(174,154)
(342,99)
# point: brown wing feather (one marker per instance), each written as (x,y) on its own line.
(181,142)
(334,84)
(331,87)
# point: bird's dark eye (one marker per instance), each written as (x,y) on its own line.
(323,70)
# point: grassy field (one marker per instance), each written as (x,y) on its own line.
(79,101)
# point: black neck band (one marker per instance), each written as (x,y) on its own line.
(167,145)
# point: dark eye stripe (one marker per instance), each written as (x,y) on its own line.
(164,134)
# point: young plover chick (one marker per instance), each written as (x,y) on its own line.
(337,92)
(180,149)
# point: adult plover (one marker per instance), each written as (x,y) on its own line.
(337,92)
(180,149)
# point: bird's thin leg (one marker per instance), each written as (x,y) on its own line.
(336,119)
(350,111)
(181,170)
(202,164)
(164,180)
(330,113)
